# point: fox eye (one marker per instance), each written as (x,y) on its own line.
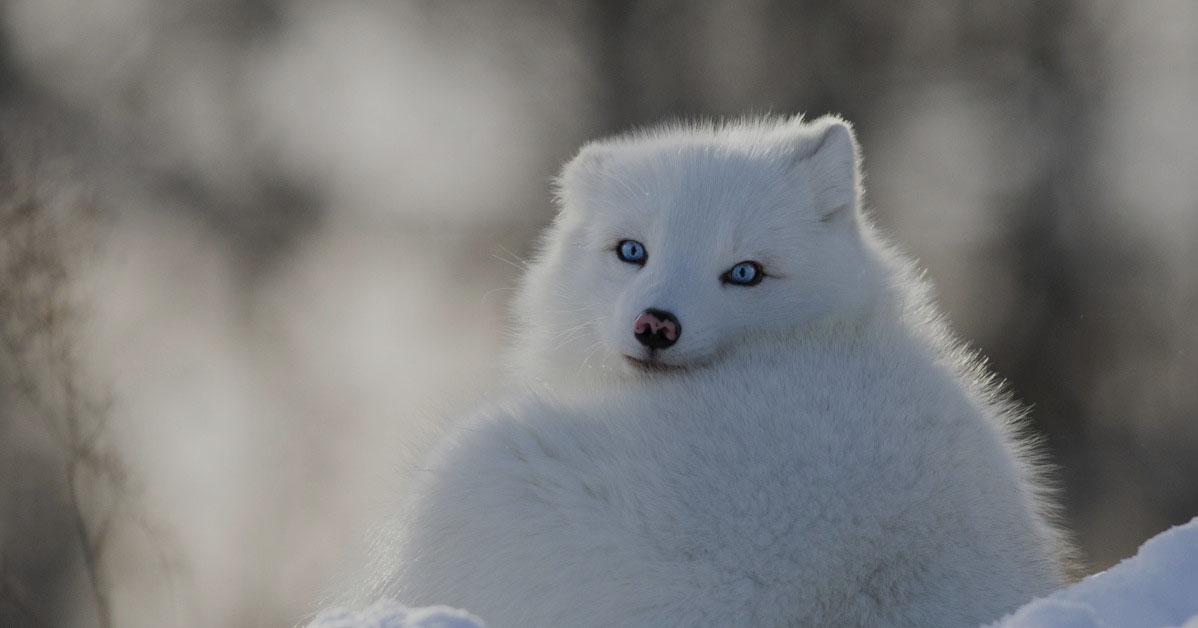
(631,251)
(744,274)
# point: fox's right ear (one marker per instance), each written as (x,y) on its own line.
(580,175)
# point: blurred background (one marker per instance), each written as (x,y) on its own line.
(253,251)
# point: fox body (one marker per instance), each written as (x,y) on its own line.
(733,404)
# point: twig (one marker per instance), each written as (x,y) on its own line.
(92,548)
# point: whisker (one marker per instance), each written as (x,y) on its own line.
(510,263)
(571,311)
(587,357)
(493,291)
(523,262)
(570,333)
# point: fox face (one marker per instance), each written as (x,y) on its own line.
(676,247)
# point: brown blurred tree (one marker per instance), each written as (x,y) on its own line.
(44,387)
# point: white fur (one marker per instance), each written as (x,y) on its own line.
(823,454)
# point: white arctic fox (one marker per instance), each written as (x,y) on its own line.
(740,410)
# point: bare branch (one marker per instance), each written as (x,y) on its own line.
(36,329)
(93,550)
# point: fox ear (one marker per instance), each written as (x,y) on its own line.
(825,153)
(580,174)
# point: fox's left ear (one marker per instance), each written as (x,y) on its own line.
(580,175)
(825,153)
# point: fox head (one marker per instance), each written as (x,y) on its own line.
(675,247)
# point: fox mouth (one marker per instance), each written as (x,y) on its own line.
(652,365)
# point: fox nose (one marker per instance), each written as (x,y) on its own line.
(656,329)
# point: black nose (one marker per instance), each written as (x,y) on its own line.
(656,329)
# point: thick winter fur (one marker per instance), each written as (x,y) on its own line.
(815,450)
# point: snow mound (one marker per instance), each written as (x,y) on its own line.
(1156,588)
(388,614)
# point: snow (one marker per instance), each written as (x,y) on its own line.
(388,614)
(1156,588)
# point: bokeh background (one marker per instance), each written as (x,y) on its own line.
(252,252)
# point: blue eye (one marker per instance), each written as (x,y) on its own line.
(744,274)
(631,251)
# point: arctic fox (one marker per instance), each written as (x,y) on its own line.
(739,408)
